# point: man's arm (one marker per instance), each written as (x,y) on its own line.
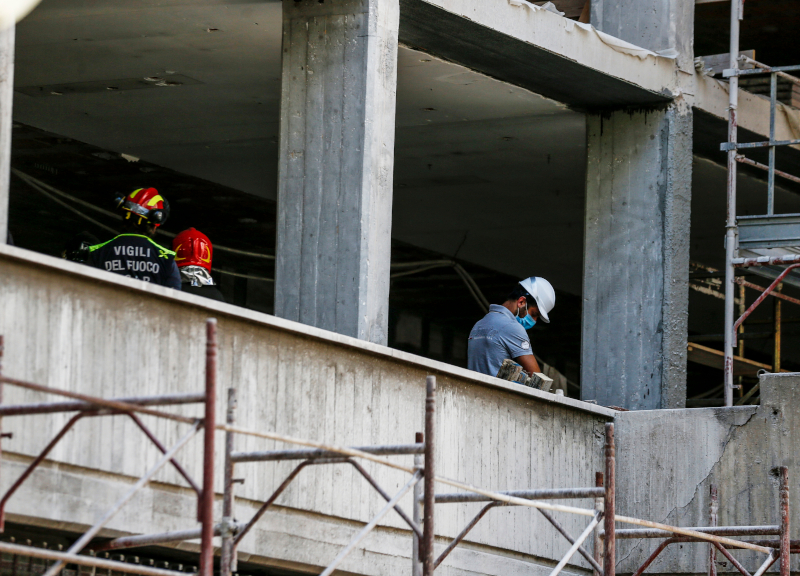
(528,363)
(173,279)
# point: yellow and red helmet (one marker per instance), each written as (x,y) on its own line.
(147,204)
(192,248)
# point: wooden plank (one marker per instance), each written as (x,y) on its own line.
(716,359)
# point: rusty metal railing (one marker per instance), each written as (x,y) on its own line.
(422,479)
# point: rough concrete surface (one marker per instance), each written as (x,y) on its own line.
(338,92)
(636,258)
(667,461)
(80,329)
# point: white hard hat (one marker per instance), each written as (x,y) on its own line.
(542,291)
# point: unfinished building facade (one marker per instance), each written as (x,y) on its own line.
(373,174)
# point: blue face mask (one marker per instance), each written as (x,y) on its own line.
(526,321)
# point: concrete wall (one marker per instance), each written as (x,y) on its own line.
(667,460)
(77,328)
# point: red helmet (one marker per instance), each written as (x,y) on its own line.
(145,203)
(192,248)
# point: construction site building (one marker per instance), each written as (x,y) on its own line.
(374,173)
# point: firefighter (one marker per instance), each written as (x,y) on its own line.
(134,253)
(193,251)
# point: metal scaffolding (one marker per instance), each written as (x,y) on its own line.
(421,480)
(765,231)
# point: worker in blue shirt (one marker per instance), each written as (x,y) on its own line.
(502,333)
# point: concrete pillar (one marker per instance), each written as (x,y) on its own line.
(664,26)
(6,100)
(636,258)
(336,164)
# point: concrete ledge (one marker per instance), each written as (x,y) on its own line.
(82,329)
(217,308)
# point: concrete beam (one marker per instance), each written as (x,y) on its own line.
(6,100)
(711,96)
(336,163)
(636,259)
(538,50)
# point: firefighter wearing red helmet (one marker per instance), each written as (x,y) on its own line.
(193,253)
(134,253)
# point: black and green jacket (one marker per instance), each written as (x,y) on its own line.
(137,256)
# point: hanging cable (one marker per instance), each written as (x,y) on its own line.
(50,192)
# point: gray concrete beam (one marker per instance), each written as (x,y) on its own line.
(537,50)
(6,100)
(336,165)
(636,258)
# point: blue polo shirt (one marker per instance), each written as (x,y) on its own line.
(494,338)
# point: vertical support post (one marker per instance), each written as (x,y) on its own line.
(426,551)
(207,508)
(416,564)
(226,555)
(6,102)
(609,542)
(773,97)
(785,542)
(335,165)
(598,542)
(713,507)
(742,309)
(730,221)
(2,346)
(776,358)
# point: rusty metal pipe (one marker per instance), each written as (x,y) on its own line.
(161,538)
(79,544)
(227,552)
(732,560)
(207,506)
(426,552)
(554,494)
(181,470)
(382,492)
(112,404)
(596,542)
(745,160)
(81,560)
(742,282)
(457,540)
(577,544)
(763,295)
(766,261)
(32,466)
(637,533)
(53,407)
(581,550)
(650,559)
(609,504)
(416,564)
(260,512)
(280,455)
(371,525)
(3,503)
